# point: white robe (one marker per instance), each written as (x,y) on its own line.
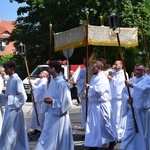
(141,104)
(57,132)
(1,109)
(98,125)
(117,83)
(14,135)
(39,90)
(81,92)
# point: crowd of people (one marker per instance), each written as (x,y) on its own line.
(113,108)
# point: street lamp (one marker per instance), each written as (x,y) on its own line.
(113,21)
(22,50)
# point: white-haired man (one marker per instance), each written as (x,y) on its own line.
(39,89)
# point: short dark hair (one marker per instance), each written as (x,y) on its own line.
(56,64)
(140,64)
(99,64)
(10,64)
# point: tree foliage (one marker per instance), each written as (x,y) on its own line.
(33,28)
(19,61)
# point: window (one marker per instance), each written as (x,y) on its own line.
(1,47)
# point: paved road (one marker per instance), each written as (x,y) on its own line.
(78,132)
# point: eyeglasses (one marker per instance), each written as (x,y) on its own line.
(139,69)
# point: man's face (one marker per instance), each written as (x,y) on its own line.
(52,70)
(3,73)
(71,73)
(8,71)
(118,65)
(43,74)
(139,71)
(84,62)
(95,69)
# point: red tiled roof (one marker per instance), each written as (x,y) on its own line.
(2,29)
(7,26)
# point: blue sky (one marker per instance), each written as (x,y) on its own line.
(8,10)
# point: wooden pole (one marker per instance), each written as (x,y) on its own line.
(122,59)
(104,48)
(87,58)
(145,45)
(50,44)
(33,100)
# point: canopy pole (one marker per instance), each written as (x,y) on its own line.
(145,45)
(87,58)
(104,48)
(50,45)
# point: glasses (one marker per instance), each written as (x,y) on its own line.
(139,69)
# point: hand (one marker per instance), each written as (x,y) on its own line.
(128,83)
(130,101)
(3,89)
(109,77)
(86,85)
(30,82)
(48,100)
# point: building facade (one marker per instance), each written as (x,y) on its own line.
(6,27)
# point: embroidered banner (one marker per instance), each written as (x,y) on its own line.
(97,35)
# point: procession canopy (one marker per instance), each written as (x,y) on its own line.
(97,35)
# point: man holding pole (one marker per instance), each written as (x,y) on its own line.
(140,100)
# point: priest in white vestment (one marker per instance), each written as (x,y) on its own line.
(98,125)
(117,83)
(39,89)
(139,87)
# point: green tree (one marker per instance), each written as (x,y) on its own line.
(33,29)
(20,68)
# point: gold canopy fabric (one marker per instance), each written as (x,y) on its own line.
(97,35)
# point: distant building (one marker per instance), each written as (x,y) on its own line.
(6,27)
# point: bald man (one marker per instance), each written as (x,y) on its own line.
(39,89)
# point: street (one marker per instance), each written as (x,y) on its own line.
(78,132)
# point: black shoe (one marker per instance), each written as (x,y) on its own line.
(35,132)
(83,137)
(111,145)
